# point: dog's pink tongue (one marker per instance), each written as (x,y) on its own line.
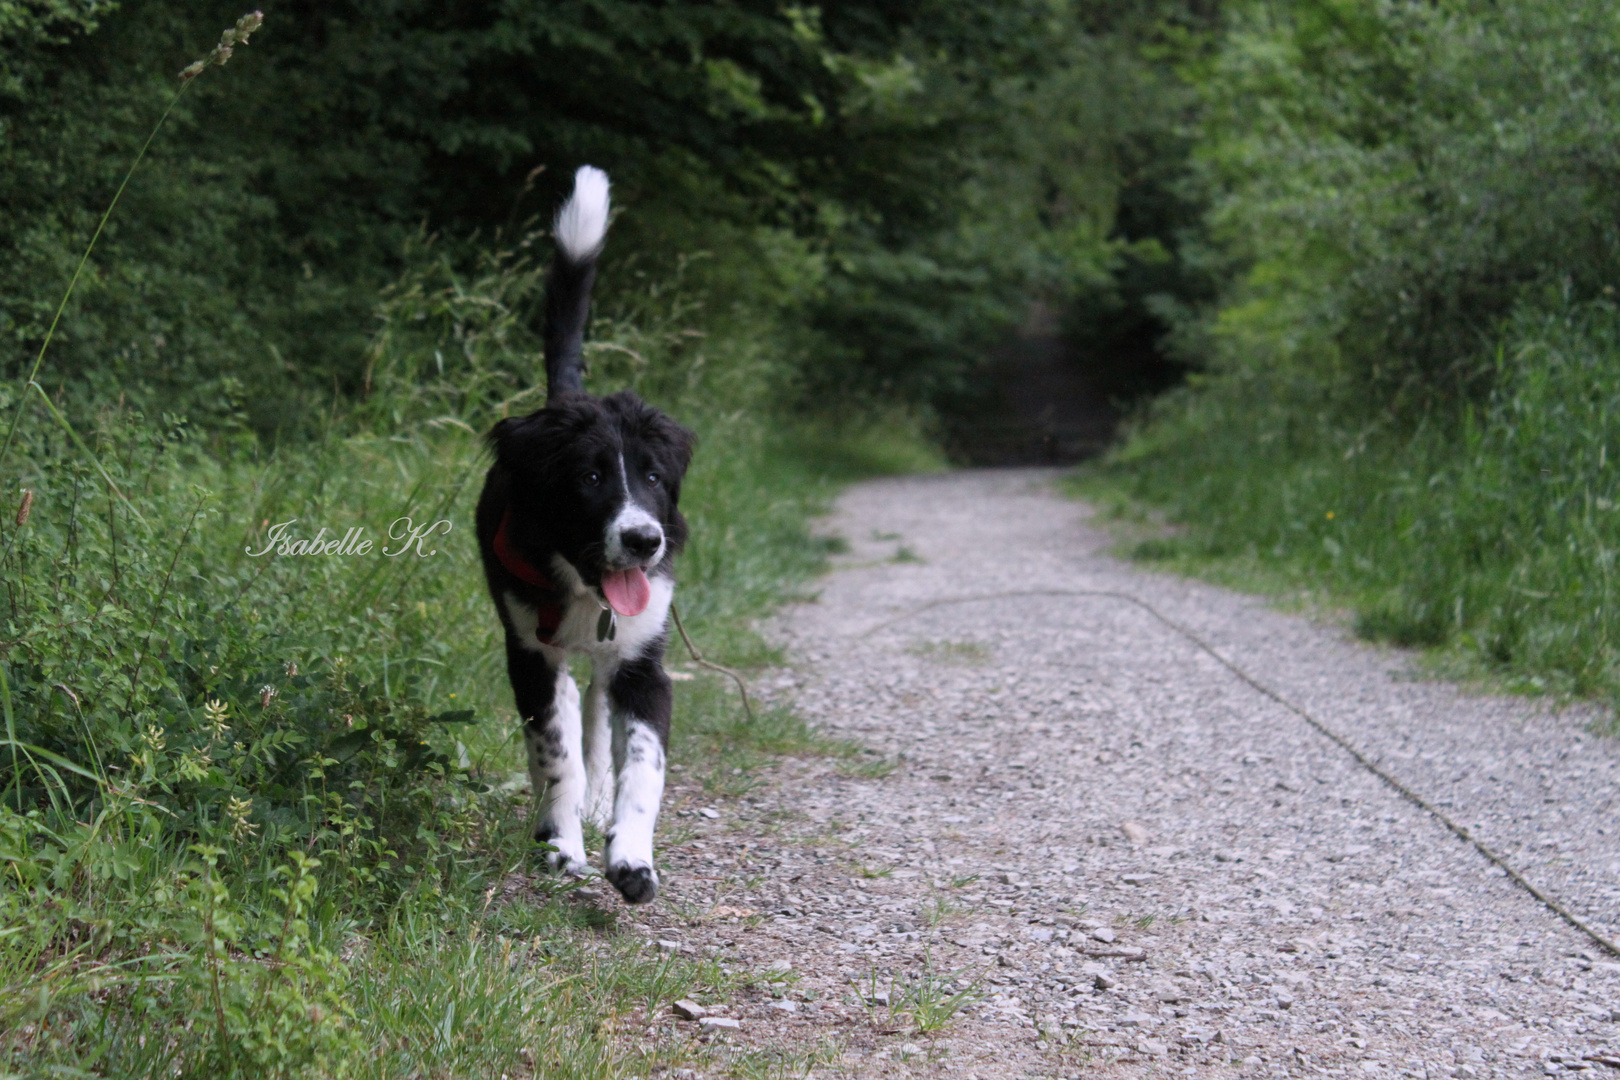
(627,591)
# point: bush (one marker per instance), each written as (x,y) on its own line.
(1494,534)
(1392,180)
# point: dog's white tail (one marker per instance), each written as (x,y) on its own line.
(582,222)
(580,228)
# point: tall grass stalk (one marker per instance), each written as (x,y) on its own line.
(237,34)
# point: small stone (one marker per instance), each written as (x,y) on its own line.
(1136,879)
(1135,1019)
(687,1009)
(779,965)
(1152,1048)
(1009,878)
(1135,832)
(1217,1038)
(878,997)
(1285,1001)
(1041,933)
(785,1006)
(1103,934)
(668,946)
(1348,853)
(709,812)
(713,1022)
(1228,856)
(1104,981)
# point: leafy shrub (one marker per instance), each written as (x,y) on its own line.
(1392,180)
(1495,533)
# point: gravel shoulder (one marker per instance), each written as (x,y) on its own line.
(1125,860)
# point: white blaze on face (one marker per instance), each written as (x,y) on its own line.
(631,515)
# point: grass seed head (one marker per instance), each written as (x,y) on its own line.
(232,37)
(238,811)
(24,509)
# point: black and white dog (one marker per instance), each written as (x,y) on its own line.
(578,528)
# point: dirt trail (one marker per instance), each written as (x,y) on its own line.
(1145,867)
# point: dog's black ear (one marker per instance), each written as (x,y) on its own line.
(509,437)
(676,441)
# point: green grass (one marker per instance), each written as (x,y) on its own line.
(1487,539)
(967,653)
(264,816)
(927,1003)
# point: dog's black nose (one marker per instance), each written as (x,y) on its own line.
(642,541)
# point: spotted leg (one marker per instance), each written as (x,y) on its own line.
(640,697)
(548,701)
(598,757)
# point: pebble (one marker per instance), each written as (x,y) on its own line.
(723,1022)
(1103,934)
(687,1009)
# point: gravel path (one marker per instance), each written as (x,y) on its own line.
(1134,863)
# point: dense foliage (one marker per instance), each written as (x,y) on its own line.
(897,174)
(1410,369)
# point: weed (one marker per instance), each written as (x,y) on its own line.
(775,1063)
(966,653)
(929,1002)
(868,765)
(938,909)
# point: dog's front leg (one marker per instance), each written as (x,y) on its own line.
(640,699)
(598,756)
(548,701)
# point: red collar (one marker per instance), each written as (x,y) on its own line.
(520,567)
(549,612)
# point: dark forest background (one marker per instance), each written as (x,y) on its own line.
(897,183)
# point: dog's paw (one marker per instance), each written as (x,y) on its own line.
(561,856)
(637,884)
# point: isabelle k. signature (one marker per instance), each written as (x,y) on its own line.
(408,535)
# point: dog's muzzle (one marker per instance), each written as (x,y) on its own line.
(641,542)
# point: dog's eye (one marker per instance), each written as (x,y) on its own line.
(592,479)
(652,478)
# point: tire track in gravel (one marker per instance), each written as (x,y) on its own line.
(1072,780)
